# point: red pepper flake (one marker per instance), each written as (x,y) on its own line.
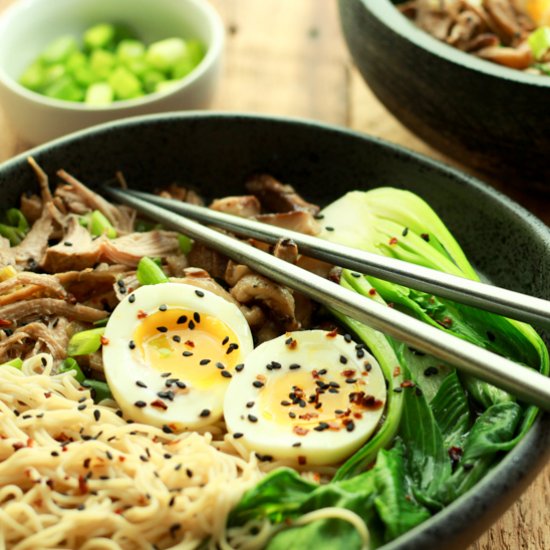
(332,334)
(316,477)
(30,442)
(160,404)
(393,241)
(308,416)
(333,426)
(348,373)
(408,384)
(372,292)
(396,371)
(82,485)
(455,454)
(299,430)
(360,399)
(302,460)
(119,511)
(141,314)
(315,374)
(17,446)
(293,344)
(190,343)
(357,416)
(5,323)
(48,394)
(104,341)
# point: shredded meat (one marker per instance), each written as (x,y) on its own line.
(287,250)
(45,307)
(275,196)
(495,30)
(121,217)
(180,193)
(31,207)
(300,221)
(246,206)
(25,284)
(31,249)
(207,259)
(79,250)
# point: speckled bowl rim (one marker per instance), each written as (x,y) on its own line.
(389,16)
(517,464)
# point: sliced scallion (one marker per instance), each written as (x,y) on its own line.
(85,342)
(149,273)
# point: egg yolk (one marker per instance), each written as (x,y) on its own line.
(305,399)
(539,10)
(191,346)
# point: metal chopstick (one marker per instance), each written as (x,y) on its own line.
(527,384)
(473,293)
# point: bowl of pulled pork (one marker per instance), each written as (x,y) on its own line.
(470,77)
(155,393)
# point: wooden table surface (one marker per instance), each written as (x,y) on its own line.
(288,57)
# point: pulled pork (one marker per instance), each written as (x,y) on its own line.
(495,30)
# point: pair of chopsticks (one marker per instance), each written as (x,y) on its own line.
(525,383)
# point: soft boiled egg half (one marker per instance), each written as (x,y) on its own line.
(170,352)
(310,397)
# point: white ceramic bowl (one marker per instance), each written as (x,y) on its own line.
(28,26)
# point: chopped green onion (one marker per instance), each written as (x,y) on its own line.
(125,84)
(99,36)
(59,50)
(12,234)
(85,342)
(149,273)
(70,365)
(142,226)
(99,93)
(17,363)
(99,390)
(186,244)
(101,322)
(15,217)
(539,41)
(165,54)
(100,225)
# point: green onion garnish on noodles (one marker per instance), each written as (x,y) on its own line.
(85,342)
(70,365)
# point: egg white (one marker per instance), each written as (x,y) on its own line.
(127,372)
(247,417)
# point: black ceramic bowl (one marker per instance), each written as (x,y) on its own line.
(216,152)
(488,117)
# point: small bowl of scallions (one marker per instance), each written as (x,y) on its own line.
(70,64)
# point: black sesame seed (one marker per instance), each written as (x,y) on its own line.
(355,274)
(182,319)
(220,366)
(343,359)
(54,453)
(285,403)
(225,340)
(191,325)
(351,380)
(250,404)
(347,338)
(405,232)
(258,384)
(239,367)
(292,415)
(81,407)
(329,228)
(360,353)
(162,329)
(178,467)
(131,298)
(350,426)
(237,435)
(491,336)
(368,367)
(252,418)
(197,317)
(67,243)
(109,455)
(199,293)
(275,365)
(231,348)
(82,399)
(165,374)
(166,395)
(140,404)
(181,385)
(43,361)
(167,456)
(176,338)
(289,341)
(167,430)
(189,472)
(204,361)
(163,307)
(226,374)
(172,501)
(322,426)
(397,390)
(297,444)
(323,372)
(430,371)
(141,384)
(204,413)
(187,353)
(132,344)
(97,415)
(294,366)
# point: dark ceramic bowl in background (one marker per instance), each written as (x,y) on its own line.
(486,116)
(217,152)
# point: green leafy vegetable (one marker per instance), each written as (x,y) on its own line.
(100,225)
(16,226)
(85,342)
(150,273)
(185,243)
